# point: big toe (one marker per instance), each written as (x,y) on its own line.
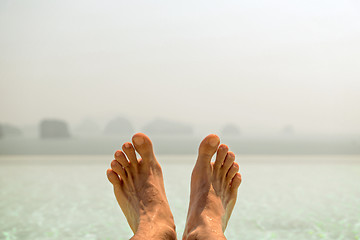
(143,146)
(207,148)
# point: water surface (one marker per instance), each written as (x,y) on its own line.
(281,197)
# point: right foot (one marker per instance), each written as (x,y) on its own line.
(139,190)
(213,191)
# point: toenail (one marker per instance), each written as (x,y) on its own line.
(127,145)
(138,140)
(213,142)
(117,154)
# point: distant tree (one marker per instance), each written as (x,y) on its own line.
(230,130)
(88,127)
(54,128)
(9,130)
(119,126)
(288,130)
(166,127)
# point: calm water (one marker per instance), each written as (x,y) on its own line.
(68,197)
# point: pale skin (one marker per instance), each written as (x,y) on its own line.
(139,190)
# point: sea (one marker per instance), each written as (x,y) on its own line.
(282,197)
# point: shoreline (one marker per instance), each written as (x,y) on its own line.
(180,159)
(181,146)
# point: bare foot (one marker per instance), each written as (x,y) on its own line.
(139,190)
(213,191)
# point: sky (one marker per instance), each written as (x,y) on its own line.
(261,65)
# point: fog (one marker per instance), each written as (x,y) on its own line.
(278,81)
(263,66)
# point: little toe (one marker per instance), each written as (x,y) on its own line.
(231,173)
(220,156)
(121,158)
(230,158)
(117,168)
(235,182)
(207,148)
(143,146)
(113,177)
(130,153)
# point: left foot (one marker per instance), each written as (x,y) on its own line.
(139,190)
(213,191)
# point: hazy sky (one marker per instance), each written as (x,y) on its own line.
(259,64)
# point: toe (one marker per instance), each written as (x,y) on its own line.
(220,156)
(113,177)
(130,153)
(118,169)
(208,148)
(230,158)
(121,158)
(235,182)
(232,171)
(143,146)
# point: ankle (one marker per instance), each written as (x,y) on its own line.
(203,228)
(204,232)
(159,232)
